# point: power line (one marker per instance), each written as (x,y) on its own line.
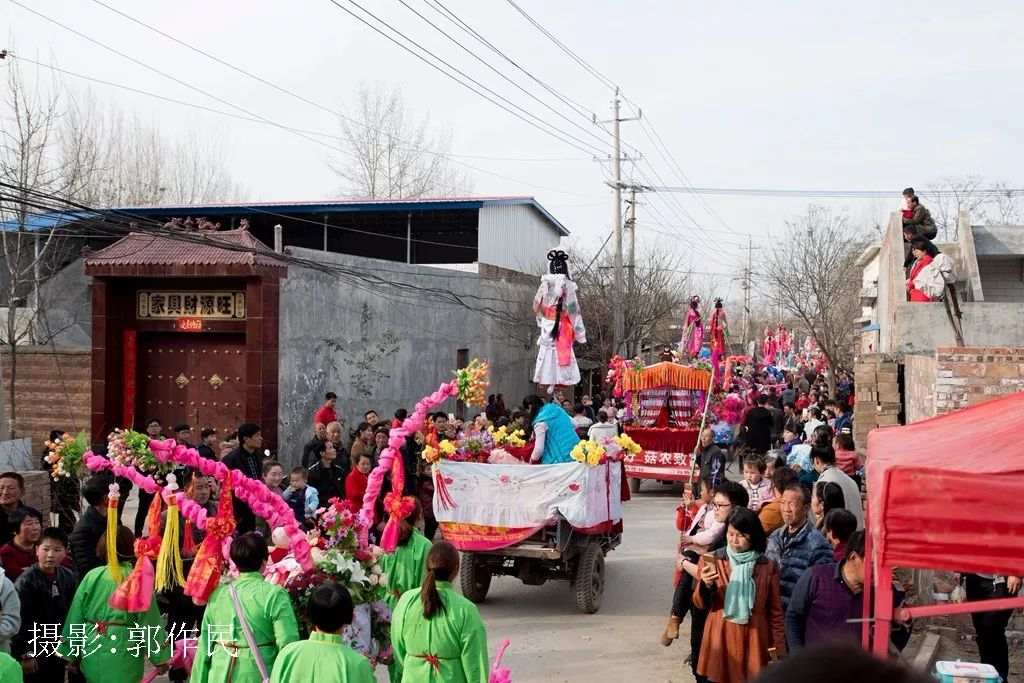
(263,119)
(575,57)
(490,66)
(837,194)
(559,135)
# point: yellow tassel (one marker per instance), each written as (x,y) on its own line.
(113,563)
(169,571)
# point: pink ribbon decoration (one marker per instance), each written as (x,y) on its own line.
(388,462)
(500,674)
(263,502)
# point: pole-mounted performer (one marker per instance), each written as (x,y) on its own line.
(558,316)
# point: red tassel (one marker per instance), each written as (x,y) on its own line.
(188,547)
(444,497)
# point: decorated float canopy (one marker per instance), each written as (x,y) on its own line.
(666,375)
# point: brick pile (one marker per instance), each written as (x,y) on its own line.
(879,401)
(968,376)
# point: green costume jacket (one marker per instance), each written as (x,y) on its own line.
(321,659)
(405,567)
(271,618)
(450,647)
(110,644)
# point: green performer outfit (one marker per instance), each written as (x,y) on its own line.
(450,647)
(111,644)
(271,618)
(405,569)
(324,658)
(10,669)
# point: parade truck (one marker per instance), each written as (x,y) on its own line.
(537,523)
(664,402)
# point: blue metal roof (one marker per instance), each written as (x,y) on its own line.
(289,208)
(47,221)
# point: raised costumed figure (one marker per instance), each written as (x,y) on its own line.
(783,343)
(719,333)
(693,331)
(558,316)
(768,348)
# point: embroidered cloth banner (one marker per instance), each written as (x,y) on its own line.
(523,496)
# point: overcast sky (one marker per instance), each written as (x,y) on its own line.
(826,95)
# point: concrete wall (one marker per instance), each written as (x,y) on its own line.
(998,240)
(67,303)
(919,393)
(925,326)
(52,390)
(320,329)
(969,376)
(1002,278)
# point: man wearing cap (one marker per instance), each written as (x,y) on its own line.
(182,434)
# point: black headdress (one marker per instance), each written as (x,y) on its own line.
(718,303)
(558,265)
(559,262)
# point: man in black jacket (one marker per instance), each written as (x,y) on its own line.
(711,460)
(325,476)
(309,458)
(247,459)
(757,427)
(208,443)
(12,489)
(92,524)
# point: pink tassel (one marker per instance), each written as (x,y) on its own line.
(500,675)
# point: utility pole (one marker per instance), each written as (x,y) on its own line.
(619,313)
(631,264)
(746,293)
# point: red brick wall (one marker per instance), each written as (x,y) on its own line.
(52,390)
(972,375)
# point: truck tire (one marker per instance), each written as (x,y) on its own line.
(589,583)
(634,485)
(474,577)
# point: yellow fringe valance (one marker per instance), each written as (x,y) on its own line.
(666,375)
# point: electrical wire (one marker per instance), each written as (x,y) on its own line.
(588,131)
(556,132)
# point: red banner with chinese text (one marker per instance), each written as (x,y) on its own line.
(129,375)
(482,537)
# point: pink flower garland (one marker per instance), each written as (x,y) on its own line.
(190,509)
(396,440)
(263,501)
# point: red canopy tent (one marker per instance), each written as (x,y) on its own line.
(945,493)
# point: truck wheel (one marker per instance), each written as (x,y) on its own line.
(634,485)
(474,577)
(589,581)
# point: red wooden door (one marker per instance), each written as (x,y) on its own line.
(193,378)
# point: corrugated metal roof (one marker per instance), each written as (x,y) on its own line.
(346,205)
(138,249)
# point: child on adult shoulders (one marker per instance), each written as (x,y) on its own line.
(301,497)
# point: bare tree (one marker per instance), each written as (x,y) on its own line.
(951,195)
(662,286)
(811,275)
(392,153)
(1007,206)
(121,160)
(30,169)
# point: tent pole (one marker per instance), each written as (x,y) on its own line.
(869,561)
(883,612)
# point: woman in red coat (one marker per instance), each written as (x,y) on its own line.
(923,252)
(741,590)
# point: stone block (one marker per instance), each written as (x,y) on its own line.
(1002,370)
